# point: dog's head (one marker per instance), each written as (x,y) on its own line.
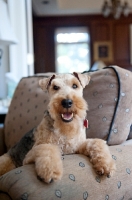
(66,95)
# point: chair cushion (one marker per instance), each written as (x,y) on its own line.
(110,104)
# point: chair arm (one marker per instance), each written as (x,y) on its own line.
(2,142)
(79,180)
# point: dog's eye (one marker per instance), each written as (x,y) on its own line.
(56,87)
(74,86)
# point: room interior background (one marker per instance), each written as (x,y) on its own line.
(35,22)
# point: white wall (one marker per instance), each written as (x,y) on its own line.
(18,53)
(15,56)
(4,67)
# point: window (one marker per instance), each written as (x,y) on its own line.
(72,49)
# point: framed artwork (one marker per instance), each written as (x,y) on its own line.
(103,51)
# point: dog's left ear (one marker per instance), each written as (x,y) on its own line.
(45,82)
(83,78)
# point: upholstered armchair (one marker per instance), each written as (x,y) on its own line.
(109,96)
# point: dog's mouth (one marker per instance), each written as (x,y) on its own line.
(67,116)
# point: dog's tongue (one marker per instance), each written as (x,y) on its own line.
(67,116)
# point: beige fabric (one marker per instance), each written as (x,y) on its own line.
(101,95)
(128,142)
(26,110)
(109,88)
(123,119)
(78,182)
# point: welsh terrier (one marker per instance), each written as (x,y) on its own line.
(61,131)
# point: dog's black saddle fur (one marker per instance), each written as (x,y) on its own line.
(19,150)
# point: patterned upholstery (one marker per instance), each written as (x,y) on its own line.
(26,109)
(110,104)
(78,182)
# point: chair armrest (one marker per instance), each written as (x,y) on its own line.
(128,142)
(2,142)
(79,180)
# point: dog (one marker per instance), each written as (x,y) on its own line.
(61,132)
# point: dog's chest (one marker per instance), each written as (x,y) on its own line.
(69,145)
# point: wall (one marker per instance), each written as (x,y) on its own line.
(15,56)
(4,67)
(117,32)
(18,52)
(21,18)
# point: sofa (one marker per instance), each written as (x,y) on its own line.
(109,96)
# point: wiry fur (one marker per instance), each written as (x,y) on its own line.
(63,134)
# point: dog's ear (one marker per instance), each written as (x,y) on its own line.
(83,78)
(45,82)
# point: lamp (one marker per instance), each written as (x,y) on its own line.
(7,35)
(115,8)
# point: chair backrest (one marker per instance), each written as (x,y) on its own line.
(26,110)
(109,97)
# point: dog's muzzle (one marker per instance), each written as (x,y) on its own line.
(67,116)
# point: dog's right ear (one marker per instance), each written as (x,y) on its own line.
(45,82)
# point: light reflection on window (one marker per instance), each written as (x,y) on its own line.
(72,37)
(72,50)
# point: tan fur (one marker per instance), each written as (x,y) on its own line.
(45,156)
(54,137)
(98,152)
(6,164)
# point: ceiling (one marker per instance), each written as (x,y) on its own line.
(68,7)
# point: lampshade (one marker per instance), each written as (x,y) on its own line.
(7,35)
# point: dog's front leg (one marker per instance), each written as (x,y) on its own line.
(99,154)
(48,162)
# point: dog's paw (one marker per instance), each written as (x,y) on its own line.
(48,171)
(48,176)
(105,167)
(100,156)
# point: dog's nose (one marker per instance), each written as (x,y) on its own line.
(66,103)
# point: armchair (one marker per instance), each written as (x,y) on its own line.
(110,116)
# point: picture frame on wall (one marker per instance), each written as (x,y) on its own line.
(103,51)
